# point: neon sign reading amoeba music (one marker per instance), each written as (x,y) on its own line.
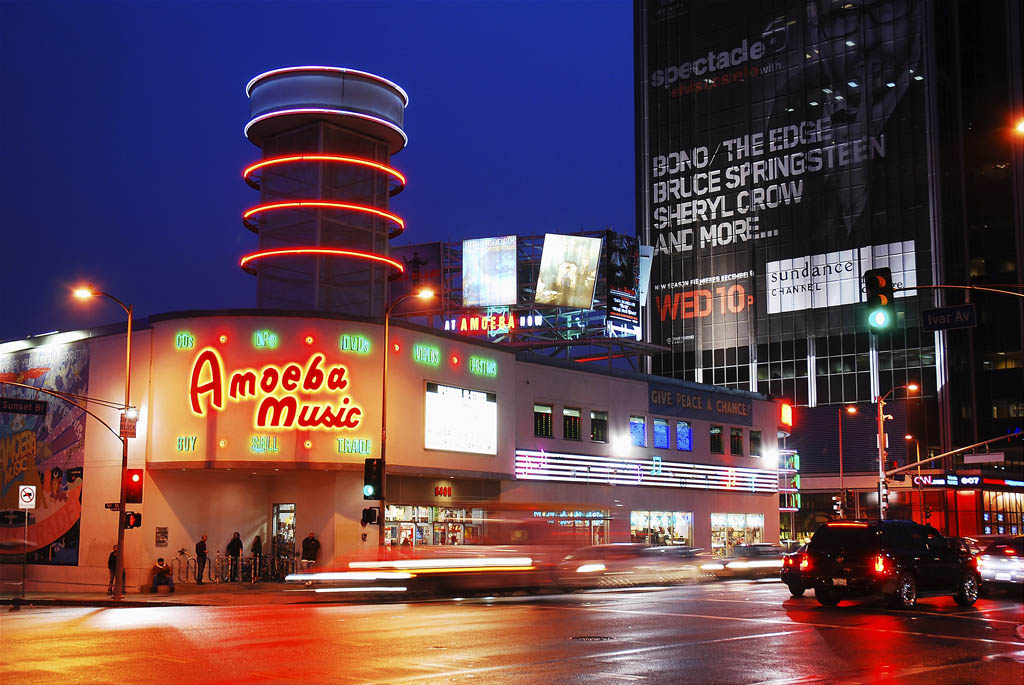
(277,393)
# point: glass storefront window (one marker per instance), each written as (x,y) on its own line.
(736,441)
(599,426)
(415,525)
(684,436)
(729,530)
(571,423)
(638,431)
(661,527)
(717,441)
(542,427)
(661,434)
(755,443)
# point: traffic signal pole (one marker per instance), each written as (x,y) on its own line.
(119,569)
(882,496)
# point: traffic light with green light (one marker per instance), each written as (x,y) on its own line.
(879,296)
(373,479)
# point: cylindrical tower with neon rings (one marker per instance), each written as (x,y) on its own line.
(325,180)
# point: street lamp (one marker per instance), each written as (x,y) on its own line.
(131,413)
(882,504)
(424,294)
(917,452)
(849,409)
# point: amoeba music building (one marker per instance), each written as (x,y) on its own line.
(259,422)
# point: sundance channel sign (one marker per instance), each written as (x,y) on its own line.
(834,279)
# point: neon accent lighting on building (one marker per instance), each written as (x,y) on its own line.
(316,68)
(576,468)
(325,251)
(328,204)
(340,159)
(325,110)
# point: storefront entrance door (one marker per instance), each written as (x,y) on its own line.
(284,531)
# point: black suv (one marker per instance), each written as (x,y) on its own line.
(900,560)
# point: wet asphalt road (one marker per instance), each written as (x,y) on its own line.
(734,632)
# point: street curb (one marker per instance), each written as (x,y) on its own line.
(17,603)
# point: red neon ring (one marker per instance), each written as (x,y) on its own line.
(329,205)
(325,158)
(327,251)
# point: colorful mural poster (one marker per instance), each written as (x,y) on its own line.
(45,451)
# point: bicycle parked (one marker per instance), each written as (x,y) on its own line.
(184,567)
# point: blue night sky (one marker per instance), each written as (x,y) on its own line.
(123,143)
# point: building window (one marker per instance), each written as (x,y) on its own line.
(661,434)
(599,426)
(684,436)
(638,431)
(717,441)
(729,530)
(542,420)
(736,441)
(755,443)
(570,424)
(661,527)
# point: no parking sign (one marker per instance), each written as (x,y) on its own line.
(26,497)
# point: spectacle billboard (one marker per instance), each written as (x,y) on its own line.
(792,132)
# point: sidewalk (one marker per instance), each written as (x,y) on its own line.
(186,594)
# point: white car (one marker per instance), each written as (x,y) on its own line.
(1002,564)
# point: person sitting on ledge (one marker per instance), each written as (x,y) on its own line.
(162,575)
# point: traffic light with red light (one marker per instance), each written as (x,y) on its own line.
(786,415)
(132,519)
(879,296)
(133,479)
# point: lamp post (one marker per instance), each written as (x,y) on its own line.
(917,452)
(422,294)
(85,293)
(882,504)
(849,409)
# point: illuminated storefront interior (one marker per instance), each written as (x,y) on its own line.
(661,527)
(729,530)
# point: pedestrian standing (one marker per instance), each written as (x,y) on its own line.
(257,555)
(200,560)
(310,550)
(234,550)
(112,567)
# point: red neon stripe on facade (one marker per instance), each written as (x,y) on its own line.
(326,251)
(328,205)
(324,158)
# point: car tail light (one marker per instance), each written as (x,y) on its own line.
(880,564)
(1009,551)
(787,562)
(805,563)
